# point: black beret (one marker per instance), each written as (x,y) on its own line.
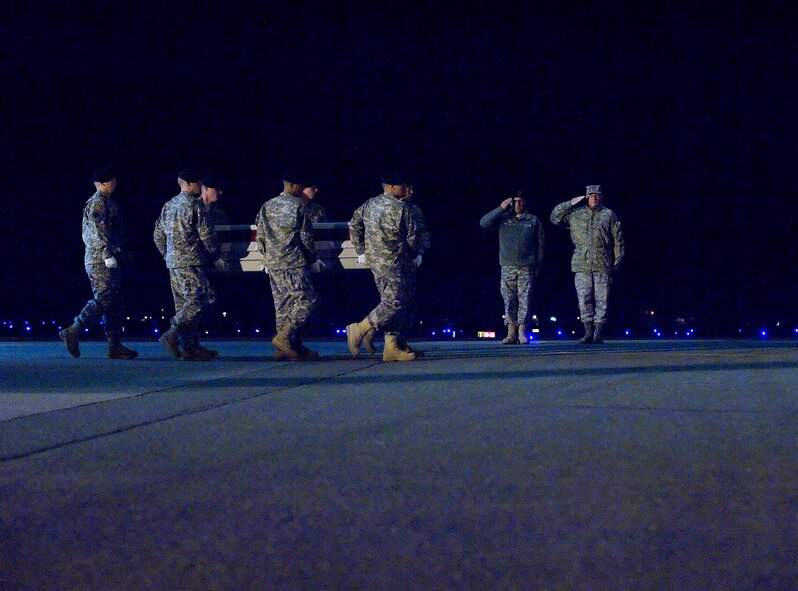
(189,175)
(103,175)
(395,177)
(213,182)
(296,177)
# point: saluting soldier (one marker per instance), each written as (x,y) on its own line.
(384,234)
(285,239)
(104,238)
(598,253)
(188,243)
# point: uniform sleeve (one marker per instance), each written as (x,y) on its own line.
(492,219)
(412,234)
(423,230)
(97,215)
(159,237)
(617,238)
(260,230)
(207,233)
(541,243)
(306,234)
(357,230)
(561,214)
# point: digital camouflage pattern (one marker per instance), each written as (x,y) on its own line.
(294,296)
(193,295)
(285,234)
(593,292)
(316,213)
(521,238)
(424,241)
(397,308)
(596,234)
(183,235)
(103,229)
(384,229)
(516,287)
(107,303)
(215,215)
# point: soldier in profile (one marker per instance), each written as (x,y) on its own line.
(187,243)
(384,234)
(285,239)
(104,238)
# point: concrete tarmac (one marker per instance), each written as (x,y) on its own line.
(632,465)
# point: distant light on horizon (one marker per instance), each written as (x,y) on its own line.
(488,334)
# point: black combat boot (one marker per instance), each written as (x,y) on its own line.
(171,341)
(116,350)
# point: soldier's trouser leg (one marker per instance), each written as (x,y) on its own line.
(586,296)
(526,282)
(390,314)
(601,287)
(193,294)
(509,290)
(107,301)
(294,296)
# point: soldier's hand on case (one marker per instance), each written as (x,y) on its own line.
(507,203)
(317,266)
(110,262)
(361,259)
(264,269)
(417,261)
(220,264)
(576,200)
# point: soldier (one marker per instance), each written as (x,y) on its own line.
(316,213)
(103,235)
(188,244)
(521,241)
(285,239)
(211,193)
(598,253)
(385,236)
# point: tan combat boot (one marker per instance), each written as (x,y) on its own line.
(597,338)
(368,341)
(71,337)
(282,342)
(588,338)
(171,341)
(512,335)
(522,338)
(116,350)
(355,333)
(392,352)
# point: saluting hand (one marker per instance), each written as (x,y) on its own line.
(507,203)
(576,200)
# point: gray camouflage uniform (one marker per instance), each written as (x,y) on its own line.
(188,243)
(285,239)
(598,252)
(521,245)
(104,237)
(385,230)
(316,213)
(215,215)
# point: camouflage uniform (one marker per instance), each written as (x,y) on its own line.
(187,242)
(385,230)
(598,251)
(215,215)
(104,237)
(316,213)
(521,245)
(285,239)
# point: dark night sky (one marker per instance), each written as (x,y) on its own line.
(686,117)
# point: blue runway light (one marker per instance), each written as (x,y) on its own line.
(763,334)
(155,331)
(627,332)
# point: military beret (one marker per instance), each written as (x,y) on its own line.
(593,189)
(103,175)
(189,175)
(296,177)
(395,177)
(213,182)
